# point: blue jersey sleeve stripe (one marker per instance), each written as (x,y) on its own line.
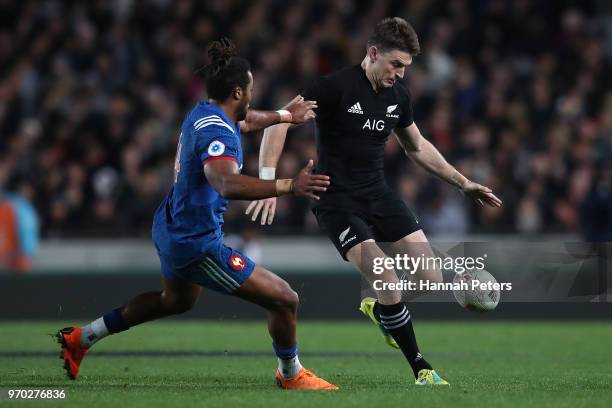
(217,123)
(198,124)
(203,121)
(199,121)
(213,121)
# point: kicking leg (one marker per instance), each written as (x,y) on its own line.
(416,245)
(391,313)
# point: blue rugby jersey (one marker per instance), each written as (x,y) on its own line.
(189,219)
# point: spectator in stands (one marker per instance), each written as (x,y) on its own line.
(92,93)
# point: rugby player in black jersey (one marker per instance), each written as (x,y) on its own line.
(358,108)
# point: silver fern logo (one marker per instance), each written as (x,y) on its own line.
(343,234)
(390,110)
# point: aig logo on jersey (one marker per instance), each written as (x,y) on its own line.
(373,124)
(390,110)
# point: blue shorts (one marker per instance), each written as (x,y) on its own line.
(220,268)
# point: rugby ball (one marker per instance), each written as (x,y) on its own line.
(476,291)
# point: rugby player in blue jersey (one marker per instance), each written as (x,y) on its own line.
(187,225)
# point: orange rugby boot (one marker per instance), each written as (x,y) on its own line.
(304,380)
(72,351)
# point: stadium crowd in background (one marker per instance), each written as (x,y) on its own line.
(92,95)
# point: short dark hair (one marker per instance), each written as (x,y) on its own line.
(224,71)
(394,33)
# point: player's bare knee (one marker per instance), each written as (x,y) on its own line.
(287,298)
(293,299)
(178,305)
(387,297)
(183,306)
(435,278)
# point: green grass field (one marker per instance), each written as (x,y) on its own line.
(488,364)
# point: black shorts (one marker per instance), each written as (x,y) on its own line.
(348,221)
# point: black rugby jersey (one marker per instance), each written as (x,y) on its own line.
(352,126)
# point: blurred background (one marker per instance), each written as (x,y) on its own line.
(516,94)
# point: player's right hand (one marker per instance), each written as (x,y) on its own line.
(481,194)
(267,207)
(306,184)
(301,110)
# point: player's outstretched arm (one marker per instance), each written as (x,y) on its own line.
(295,112)
(225,178)
(270,151)
(421,151)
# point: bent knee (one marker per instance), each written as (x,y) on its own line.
(287,298)
(389,297)
(179,305)
(436,278)
(293,299)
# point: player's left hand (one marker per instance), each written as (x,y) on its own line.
(481,194)
(267,207)
(301,110)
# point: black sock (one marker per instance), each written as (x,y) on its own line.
(396,320)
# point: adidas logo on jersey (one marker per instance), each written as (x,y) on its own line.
(356,108)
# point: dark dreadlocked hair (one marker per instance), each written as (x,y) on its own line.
(224,71)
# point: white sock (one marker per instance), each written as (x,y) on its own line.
(93,332)
(289,368)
